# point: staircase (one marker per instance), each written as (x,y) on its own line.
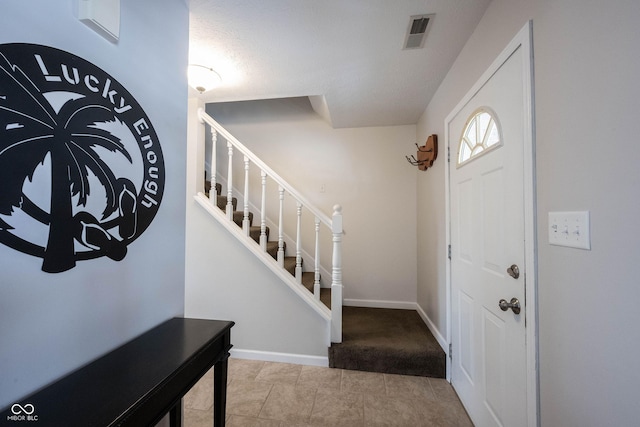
(282,252)
(377,340)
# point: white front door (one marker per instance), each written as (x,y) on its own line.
(487,237)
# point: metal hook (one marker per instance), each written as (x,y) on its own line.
(414,161)
(421,148)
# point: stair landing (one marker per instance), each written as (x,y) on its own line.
(388,341)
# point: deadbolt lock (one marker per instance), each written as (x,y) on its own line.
(513,271)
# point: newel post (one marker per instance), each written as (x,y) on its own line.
(336,276)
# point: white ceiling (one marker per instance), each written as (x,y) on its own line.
(346,55)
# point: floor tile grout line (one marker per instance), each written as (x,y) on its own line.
(268,394)
(265,402)
(313,406)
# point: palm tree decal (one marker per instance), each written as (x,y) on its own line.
(32,130)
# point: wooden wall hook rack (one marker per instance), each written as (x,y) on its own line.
(426,154)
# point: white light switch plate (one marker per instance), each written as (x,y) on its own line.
(570,229)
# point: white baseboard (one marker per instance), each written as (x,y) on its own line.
(269,356)
(432,327)
(401,305)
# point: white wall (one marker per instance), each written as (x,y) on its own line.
(587,100)
(226,281)
(362,169)
(51,324)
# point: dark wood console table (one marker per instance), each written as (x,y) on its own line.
(137,383)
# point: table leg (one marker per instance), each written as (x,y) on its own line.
(175,415)
(220,391)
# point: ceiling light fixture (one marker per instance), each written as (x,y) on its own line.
(203,78)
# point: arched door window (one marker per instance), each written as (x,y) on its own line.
(481,134)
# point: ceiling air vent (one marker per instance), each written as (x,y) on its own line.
(417,31)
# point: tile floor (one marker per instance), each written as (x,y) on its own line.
(281,394)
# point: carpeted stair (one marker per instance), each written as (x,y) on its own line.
(373,339)
(388,341)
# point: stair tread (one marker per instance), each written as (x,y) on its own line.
(272,244)
(238,217)
(308,280)
(290,264)
(221,201)
(272,248)
(325,296)
(254,232)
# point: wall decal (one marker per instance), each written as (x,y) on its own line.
(81,168)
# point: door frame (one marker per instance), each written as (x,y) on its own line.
(522,40)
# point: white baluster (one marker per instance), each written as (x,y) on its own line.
(316,276)
(263,212)
(336,276)
(245,221)
(230,183)
(213,194)
(298,245)
(280,231)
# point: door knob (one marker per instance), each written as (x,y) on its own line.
(514,305)
(514,271)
